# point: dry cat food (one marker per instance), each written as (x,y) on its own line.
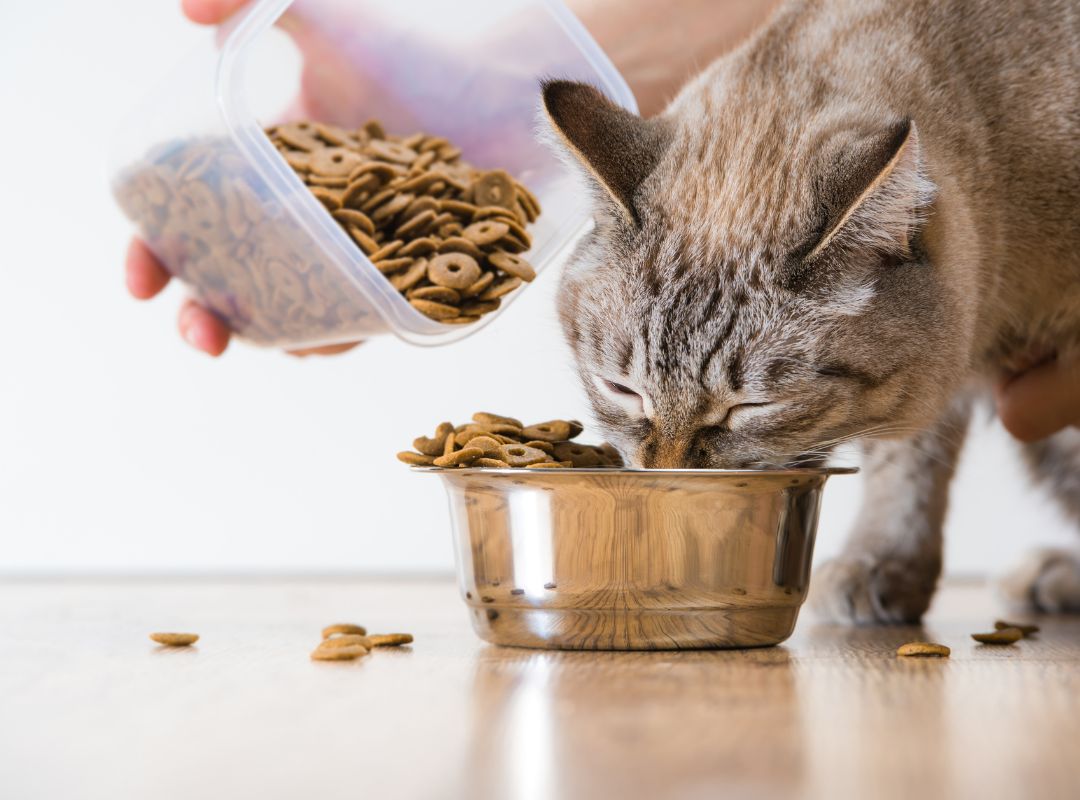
(445,234)
(175,639)
(1027,630)
(345,642)
(923,650)
(409,202)
(1000,636)
(493,440)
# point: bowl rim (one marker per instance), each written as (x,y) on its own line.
(710,473)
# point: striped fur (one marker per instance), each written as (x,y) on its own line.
(848,225)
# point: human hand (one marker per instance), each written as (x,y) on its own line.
(1040,401)
(144,273)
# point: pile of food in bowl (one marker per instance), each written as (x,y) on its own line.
(559,545)
(501,442)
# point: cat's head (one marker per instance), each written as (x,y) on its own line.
(756,287)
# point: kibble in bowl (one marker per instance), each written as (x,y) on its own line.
(559,546)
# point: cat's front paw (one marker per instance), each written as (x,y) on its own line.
(1046,580)
(862,590)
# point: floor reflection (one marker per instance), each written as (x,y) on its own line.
(650,724)
(857,700)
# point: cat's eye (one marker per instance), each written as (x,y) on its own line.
(626,397)
(743,412)
(618,388)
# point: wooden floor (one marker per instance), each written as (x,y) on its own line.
(89,708)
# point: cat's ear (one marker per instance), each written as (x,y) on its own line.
(619,149)
(875,194)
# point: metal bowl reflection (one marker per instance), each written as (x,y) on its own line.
(613,559)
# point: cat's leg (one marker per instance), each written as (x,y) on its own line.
(890,564)
(1049,579)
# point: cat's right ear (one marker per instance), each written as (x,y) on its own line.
(617,148)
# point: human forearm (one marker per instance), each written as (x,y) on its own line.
(657,46)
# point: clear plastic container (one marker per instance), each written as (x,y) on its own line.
(226,214)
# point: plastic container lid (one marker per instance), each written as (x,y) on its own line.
(225,213)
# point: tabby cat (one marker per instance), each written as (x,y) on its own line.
(844,230)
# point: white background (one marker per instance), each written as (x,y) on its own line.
(121,450)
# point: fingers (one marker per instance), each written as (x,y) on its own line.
(210,12)
(143,273)
(1041,402)
(328,350)
(202,330)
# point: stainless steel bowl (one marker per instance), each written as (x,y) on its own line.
(612,559)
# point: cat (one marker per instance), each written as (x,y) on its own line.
(845,229)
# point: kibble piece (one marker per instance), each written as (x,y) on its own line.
(328,197)
(495,188)
(350,216)
(486,232)
(1002,636)
(581,455)
(481,286)
(465,455)
(485,443)
(503,287)
(334,161)
(923,650)
(414,226)
(386,212)
(175,639)
(1027,630)
(359,190)
(390,639)
(487,418)
(437,311)
(419,247)
(367,244)
(551,465)
(338,653)
(390,151)
(480,307)
(391,265)
(385,251)
(439,294)
(299,135)
(415,459)
(347,640)
(518,455)
(458,244)
(454,270)
(331,182)
(495,463)
(512,265)
(410,277)
(343,627)
(556,430)
(497,213)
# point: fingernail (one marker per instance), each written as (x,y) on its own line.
(191,336)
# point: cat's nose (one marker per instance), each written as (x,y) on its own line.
(658,452)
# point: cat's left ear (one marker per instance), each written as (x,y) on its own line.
(876,193)
(617,148)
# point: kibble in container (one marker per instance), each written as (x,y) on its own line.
(223,210)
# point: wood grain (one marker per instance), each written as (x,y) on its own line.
(90,708)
